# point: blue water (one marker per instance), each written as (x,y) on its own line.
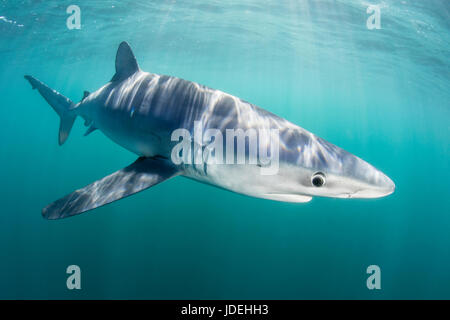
(381,94)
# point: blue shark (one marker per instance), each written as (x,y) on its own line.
(140,111)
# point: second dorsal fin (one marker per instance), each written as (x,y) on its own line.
(126,63)
(85,94)
(91,129)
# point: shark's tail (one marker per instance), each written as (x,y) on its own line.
(62,105)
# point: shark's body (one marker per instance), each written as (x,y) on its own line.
(140,111)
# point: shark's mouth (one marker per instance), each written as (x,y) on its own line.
(287,197)
(367,193)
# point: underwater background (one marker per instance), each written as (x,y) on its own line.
(382,94)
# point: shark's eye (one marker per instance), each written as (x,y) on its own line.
(318,179)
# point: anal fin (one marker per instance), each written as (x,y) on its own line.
(141,174)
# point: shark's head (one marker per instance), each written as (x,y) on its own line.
(326,170)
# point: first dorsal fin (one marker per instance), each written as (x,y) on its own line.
(126,63)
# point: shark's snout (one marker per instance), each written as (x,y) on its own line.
(375,184)
(383,188)
(342,174)
(387,186)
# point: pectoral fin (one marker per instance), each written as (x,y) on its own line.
(142,174)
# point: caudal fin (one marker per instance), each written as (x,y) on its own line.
(59,103)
